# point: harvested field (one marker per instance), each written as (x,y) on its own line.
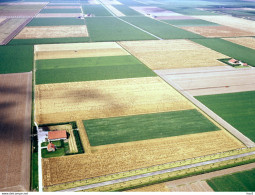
(53,32)
(133,155)
(59,15)
(15,130)
(111,2)
(93,2)
(152,188)
(1,20)
(198,186)
(244,41)
(77,50)
(218,31)
(72,142)
(108,98)
(167,54)
(207,81)
(194,22)
(147,126)
(230,21)
(10,27)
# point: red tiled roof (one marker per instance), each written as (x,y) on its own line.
(57,134)
(50,145)
(232,60)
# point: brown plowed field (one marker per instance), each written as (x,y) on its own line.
(244,41)
(108,98)
(53,32)
(133,155)
(76,50)
(208,82)
(166,54)
(15,121)
(8,28)
(218,31)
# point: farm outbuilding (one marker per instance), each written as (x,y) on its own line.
(57,135)
(51,147)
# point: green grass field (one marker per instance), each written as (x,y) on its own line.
(230,49)
(127,11)
(112,29)
(16,59)
(147,126)
(160,29)
(195,22)
(61,11)
(56,21)
(48,41)
(57,153)
(88,69)
(237,182)
(238,109)
(97,10)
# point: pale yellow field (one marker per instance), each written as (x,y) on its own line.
(53,32)
(240,23)
(60,127)
(116,158)
(109,98)
(244,41)
(167,54)
(217,31)
(76,50)
(152,188)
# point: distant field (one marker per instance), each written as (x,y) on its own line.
(195,22)
(126,10)
(15,59)
(48,41)
(112,29)
(230,49)
(238,109)
(61,11)
(56,22)
(149,126)
(73,70)
(97,10)
(236,182)
(160,29)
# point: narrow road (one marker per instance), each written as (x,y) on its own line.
(156,173)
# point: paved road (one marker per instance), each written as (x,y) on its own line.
(155,173)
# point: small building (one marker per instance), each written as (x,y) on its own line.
(233,61)
(51,147)
(57,135)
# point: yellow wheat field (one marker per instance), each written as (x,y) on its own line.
(116,158)
(244,41)
(53,32)
(76,50)
(166,54)
(109,98)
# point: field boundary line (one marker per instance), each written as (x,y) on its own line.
(129,22)
(245,140)
(84,137)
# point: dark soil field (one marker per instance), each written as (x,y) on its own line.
(15,117)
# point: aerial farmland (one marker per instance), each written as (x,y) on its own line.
(127,95)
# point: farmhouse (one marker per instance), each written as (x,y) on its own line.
(233,61)
(57,135)
(51,147)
